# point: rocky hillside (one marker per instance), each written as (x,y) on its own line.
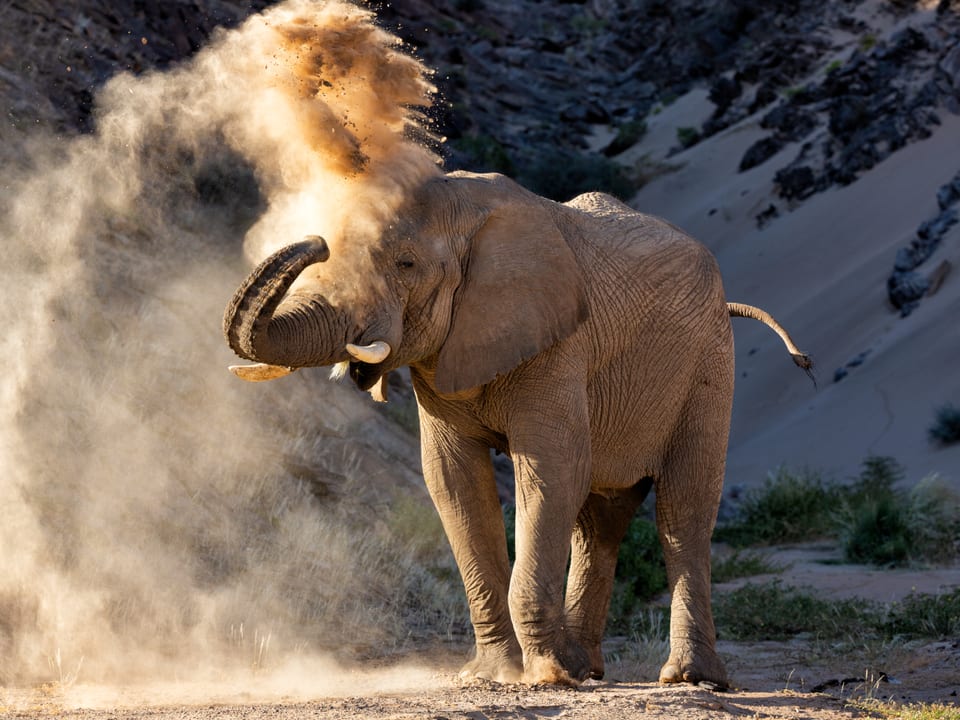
(525,85)
(572,96)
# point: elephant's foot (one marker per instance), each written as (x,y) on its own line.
(694,665)
(571,666)
(497,665)
(595,658)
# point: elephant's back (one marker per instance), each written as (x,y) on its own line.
(658,326)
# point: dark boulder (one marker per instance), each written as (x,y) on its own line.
(761,151)
(796,183)
(905,289)
(849,114)
(723,92)
(793,122)
(949,194)
(937,227)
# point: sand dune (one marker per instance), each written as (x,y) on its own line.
(821,270)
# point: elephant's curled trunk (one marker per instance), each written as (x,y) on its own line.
(248,316)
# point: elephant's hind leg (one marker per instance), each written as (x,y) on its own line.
(601,526)
(688,496)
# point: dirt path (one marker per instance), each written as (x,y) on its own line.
(475,702)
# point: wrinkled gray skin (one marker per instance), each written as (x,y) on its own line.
(590,342)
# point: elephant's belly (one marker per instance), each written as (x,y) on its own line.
(629,444)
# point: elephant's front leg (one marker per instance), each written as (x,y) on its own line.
(459,477)
(552,461)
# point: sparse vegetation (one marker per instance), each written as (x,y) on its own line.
(561,175)
(795,91)
(911,711)
(876,521)
(490,34)
(877,524)
(640,574)
(872,522)
(881,524)
(688,136)
(774,611)
(946,425)
(403,410)
(920,615)
(430,598)
(628,135)
(485,153)
(642,651)
(742,564)
(790,507)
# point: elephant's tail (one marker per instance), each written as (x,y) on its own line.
(801,359)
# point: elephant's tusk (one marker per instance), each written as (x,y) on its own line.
(259,372)
(372,354)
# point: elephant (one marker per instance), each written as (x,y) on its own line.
(589,342)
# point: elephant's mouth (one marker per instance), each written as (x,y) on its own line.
(364,374)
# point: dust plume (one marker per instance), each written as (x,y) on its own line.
(163,521)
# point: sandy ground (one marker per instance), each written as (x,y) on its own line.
(775,690)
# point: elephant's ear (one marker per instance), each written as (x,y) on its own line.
(523,292)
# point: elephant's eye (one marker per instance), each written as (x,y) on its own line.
(406,262)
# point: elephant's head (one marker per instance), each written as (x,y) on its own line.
(473,277)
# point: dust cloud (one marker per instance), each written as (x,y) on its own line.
(161,521)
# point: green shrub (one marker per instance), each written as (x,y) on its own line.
(640,576)
(587,25)
(877,532)
(834,65)
(788,508)
(946,425)
(872,519)
(628,135)
(773,611)
(925,616)
(561,175)
(688,136)
(484,153)
(741,565)
(881,524)
(640,560)
(876,521)
(935,520)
